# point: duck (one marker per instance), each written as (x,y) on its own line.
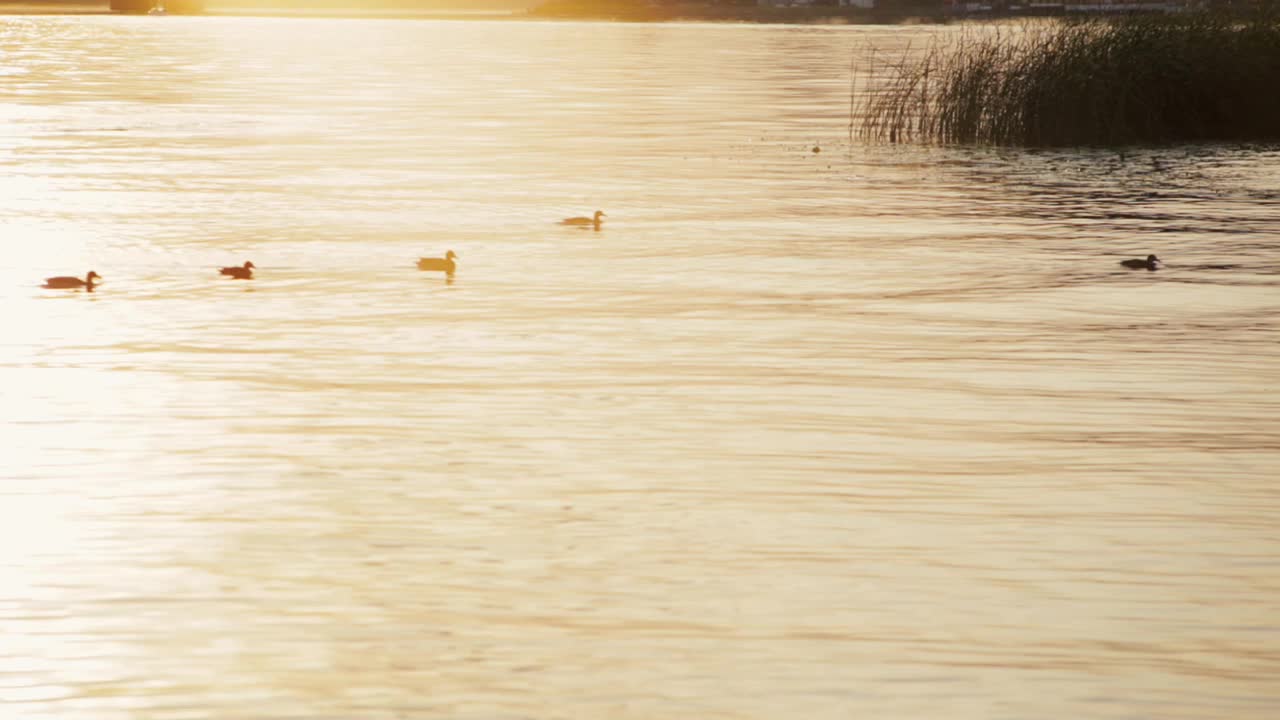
(244,272)
(582,221)
(1151,263)
(446,264)
(67,282)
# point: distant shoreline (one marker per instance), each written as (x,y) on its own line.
(55,8)
(707,12)
(555,10)
(102,8)
(355,13)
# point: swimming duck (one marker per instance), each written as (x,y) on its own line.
(580,221)
(1151,263)
(446,264)
(66,282)
(239,273)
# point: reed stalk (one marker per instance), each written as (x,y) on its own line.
(1085,82)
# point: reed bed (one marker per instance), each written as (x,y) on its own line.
(1117,81)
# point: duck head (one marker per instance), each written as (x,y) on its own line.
(451,255)
(88,279)
(248,265)
(598,215)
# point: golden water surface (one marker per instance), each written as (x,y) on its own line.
(865,432)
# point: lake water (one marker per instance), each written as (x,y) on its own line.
(870,432)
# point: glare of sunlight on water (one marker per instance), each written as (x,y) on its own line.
(866,432)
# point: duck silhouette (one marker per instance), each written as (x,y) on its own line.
(244,272)
(447,264)
(67,282)
(581,221)
(1151,263)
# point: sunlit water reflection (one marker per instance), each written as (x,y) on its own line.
(868,432)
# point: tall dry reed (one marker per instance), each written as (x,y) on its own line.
(1116,81)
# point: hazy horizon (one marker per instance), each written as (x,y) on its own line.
(353,4)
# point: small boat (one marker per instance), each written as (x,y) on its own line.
(447,264)
(244,272)
(584,221)
(67,282)
(1151,263)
